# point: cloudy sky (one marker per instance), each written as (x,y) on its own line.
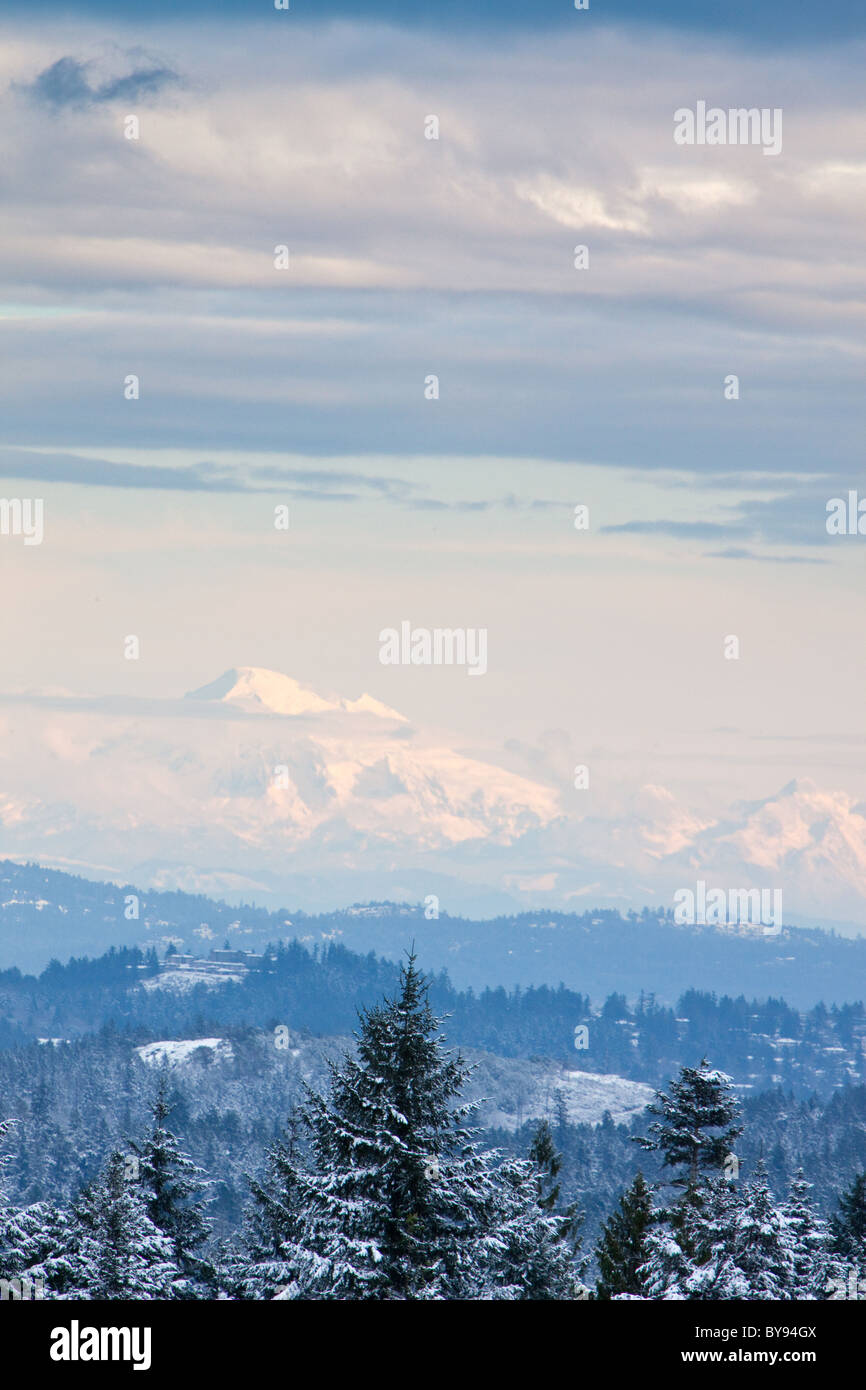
(455,257)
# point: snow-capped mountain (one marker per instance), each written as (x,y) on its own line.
(259,691)
(246,784)
(808,841)
(256,786)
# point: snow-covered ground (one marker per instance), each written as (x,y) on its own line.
(514,1091)
(176,1052)
(179,981)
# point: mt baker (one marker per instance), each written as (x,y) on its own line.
(256,787)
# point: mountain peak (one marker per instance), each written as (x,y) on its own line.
(799,786)
(260,691)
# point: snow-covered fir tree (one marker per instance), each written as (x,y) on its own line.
(622,1248)
(399,1200)
(751,1252)
(530,1253)
(814,1265)
(848,1225)
(266,1262)
(697,1123)
(27,1235)
(718,1241)
(846,1273)
(539,1258)
(110,1248)
(727,1243)
(174,1191)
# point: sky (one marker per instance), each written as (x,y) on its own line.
(410,257)
(774,21)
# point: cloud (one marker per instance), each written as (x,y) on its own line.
(202,476)
(682,530)
(738,553)
(67,83)
(324,484)
(452,256)
(796,515)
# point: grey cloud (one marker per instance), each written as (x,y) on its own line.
(204,476)
(66,83)
(741,481)
(92,472)
(738,553)
(207,476)
(394,488)
(798,516)
(683,530)
(435,504)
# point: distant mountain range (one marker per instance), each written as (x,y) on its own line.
(257,788)
(47,914)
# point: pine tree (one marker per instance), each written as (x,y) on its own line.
(173,1189)
(544,1155)
(110,1249)
(697,1123)
(622,1249)
(560,1112)
(7,1129)
(751,1252)
(399,1201)
(27,1234)
(813,1262)
(540,1258)
(727,1245)
(273,1224)
(531,1250)
(848,1226)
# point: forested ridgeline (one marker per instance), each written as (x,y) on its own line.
(765,1042)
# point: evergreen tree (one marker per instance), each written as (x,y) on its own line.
(27,1234)
(697,1123)
(544,1155)
(727,1245)
(622,1249)
(110,1248)
(173,1189)
(530,1250)
(540,1256)
(668,1267)
(751,1252)
(560,1111)
(813,1263)
(848,1226)
(399,1201)
(273,1224)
